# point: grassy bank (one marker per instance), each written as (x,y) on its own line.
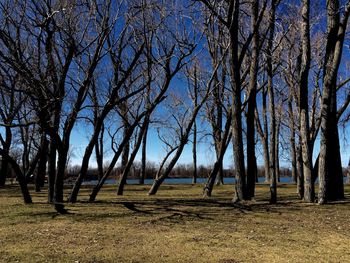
(177,225)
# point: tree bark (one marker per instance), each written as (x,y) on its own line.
(144,157)
(41,169)
(51,170)
(264,136)
(253,72)
(237,136)
(194,153)
(330,170)
(277,150)
(293,154)
(265,139)
(128,166)
(20,176)
(61,170)
(273,181)
(99,153)
(208,188)
(300,177)
(309,191)
(4,169)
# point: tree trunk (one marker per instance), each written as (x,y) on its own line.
(237,136)
(309,191)
(300,177)
(254,66)
(143,158)
(41,169)
(194,153)
(336,181)
(265,138)
(4,169)
(51,170)
(126,150)
(111,166)
(128,166)
(330,170)
(238,154)
(293,154)
(277,151)
(99,154)
(156,184)
(162,175)
(273,181)
(208,188)
(20,176)
(61,170)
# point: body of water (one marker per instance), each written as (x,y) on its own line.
(227,180)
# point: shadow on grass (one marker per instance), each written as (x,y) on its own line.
(201,209)
(173,209)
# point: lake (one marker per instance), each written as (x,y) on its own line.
(227,180)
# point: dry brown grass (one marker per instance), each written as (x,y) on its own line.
(177,225)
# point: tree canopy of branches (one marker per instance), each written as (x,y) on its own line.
(241,76)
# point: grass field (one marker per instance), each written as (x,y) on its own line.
(177,225)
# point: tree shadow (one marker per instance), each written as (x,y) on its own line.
(197,209)
(177,210)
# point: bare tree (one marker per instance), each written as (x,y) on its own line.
(309,192)
(184,123)
(273,183)
(330,171)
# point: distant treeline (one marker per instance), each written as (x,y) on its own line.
(179,171)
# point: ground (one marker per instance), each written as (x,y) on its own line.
(176,225)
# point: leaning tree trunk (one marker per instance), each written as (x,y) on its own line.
(265,139)
(126,150)
(162,175)
(20,176)
(128,166)
(143,158)
(194,143)
(99,154)
(293,154)
(272,168)
(208,188)
(116,156)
